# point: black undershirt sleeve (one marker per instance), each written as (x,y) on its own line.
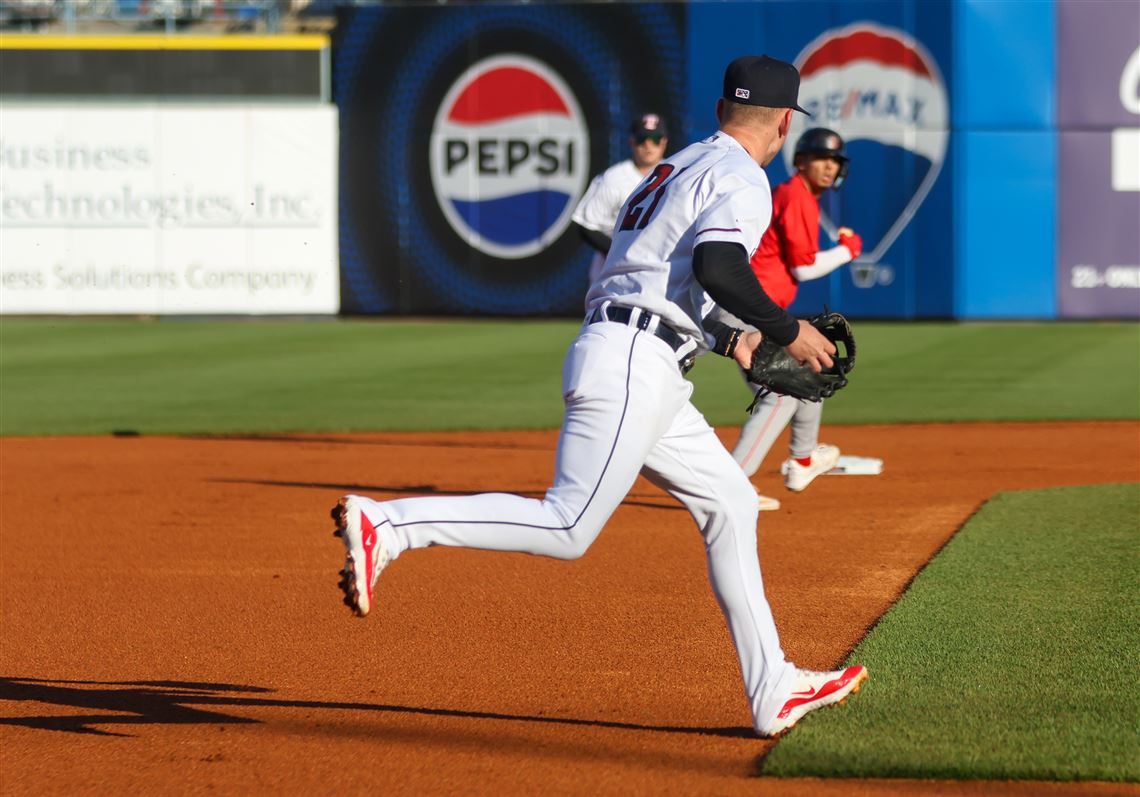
(598,240)
(722,270)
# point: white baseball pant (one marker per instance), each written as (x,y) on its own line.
(627,412)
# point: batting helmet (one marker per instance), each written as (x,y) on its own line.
(823,143)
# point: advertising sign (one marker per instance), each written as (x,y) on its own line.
(468,134)
(502,157)
(1098,265)
(879,89)
(163,209)
(876,73)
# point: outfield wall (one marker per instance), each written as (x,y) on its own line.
(1098,118)
(995,152)
(1035,208)
(983,186)
(145,208)
(167,175)
(881,74)
(468,133)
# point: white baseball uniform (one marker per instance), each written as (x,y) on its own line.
(599,206)
(628,411)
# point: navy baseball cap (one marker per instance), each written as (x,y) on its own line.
(760,80)
(649,124)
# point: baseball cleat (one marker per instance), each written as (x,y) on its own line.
(365,557)
(798,476)
(767,502)
(816,690)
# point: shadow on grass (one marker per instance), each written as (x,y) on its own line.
(134,703)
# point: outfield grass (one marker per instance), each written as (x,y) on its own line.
(92,376)
(1013,655)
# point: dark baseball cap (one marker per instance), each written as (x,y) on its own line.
(760,80)
(649,124)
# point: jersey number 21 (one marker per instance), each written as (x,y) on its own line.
(637,217)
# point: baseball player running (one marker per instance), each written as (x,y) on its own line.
(597,212)
(682,240)
(788,255)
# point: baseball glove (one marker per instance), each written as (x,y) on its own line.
(775,371)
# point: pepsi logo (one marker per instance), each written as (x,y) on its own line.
(882,91)
(509,155)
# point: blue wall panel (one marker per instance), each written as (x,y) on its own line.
(1006,225)
(1005,159)
(1004,58)
(737,29)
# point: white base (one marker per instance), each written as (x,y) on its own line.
(850,466)
(768,503)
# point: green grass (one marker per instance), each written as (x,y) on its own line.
(92,376)
(1012,656)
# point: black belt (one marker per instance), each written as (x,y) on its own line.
(623,315)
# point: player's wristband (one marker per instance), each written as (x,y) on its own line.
(730,344)
(725,337)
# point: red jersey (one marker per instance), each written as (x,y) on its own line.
(792,240)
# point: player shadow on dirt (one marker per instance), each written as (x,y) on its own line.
(383,490)
(373,440)
(133,703)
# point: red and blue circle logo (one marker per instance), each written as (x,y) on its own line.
(509,156)
(882,91)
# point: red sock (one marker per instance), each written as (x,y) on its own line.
(805,461)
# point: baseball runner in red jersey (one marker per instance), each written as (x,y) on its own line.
(682,241)
(788,255)
(597,211)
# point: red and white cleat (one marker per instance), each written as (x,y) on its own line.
(366,554)
(798,477)
(815,690)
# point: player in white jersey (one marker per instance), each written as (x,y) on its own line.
(682,241)
(597,211)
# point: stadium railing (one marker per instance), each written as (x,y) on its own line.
(171,16)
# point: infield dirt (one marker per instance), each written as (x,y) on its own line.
(171,621)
